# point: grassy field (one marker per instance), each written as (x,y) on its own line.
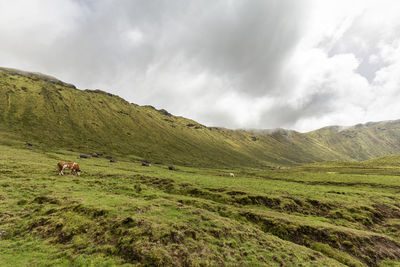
(326,214)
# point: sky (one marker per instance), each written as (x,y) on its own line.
(295,64)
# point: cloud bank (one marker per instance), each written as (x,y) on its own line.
(237,64)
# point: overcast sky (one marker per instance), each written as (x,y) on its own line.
(238,64)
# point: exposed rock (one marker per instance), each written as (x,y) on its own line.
(164,112)
(254,138)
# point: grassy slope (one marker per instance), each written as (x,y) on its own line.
(363,141)
(51,114)
(326,214)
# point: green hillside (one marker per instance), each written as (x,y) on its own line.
(362,141)
(328,212)
(52,114)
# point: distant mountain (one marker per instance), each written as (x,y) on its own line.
(52,114)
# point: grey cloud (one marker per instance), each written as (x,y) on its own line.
(153,52)
(315,105)
(246,42)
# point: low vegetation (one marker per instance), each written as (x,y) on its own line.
(123,213)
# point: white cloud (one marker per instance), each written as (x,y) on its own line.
(340,40)
(134,37)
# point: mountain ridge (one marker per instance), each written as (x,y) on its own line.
(53,113)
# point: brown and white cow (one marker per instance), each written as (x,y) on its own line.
(73,166)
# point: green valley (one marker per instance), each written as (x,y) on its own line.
(329,197)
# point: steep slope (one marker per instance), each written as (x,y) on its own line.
(51,113)
(54,114)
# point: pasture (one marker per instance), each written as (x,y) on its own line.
(122,213)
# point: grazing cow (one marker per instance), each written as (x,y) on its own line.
(73,166)
(146,163)
(231,175)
